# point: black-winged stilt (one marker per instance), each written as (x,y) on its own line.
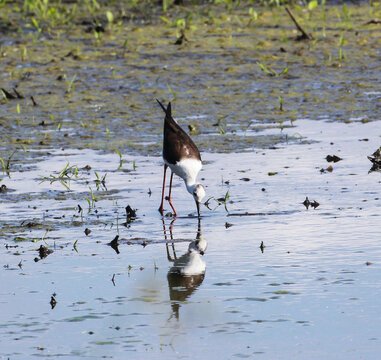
(183,158)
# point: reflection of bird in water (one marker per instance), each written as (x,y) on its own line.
(187,272)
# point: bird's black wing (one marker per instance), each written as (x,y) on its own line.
(177,143)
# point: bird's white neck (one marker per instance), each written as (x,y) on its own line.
(190,186)
(187,169)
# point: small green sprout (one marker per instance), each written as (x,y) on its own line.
(120,159)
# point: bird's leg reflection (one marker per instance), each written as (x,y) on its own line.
(187,272)
(166,240)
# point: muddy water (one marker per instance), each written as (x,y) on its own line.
(312,293)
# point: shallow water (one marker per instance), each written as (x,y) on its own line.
(313,292)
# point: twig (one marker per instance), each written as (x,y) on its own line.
(304,35)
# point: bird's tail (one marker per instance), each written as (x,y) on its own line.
(168,110)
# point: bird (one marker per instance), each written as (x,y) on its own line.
(182,156)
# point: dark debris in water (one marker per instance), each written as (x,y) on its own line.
(53,301)
(18,95)
(375,159)
(130,215)
(228,225)
(8,95)
(307,203)
(314,204)
(33,101)
(7,246)
(303,34)
(333,158)
(114,244)
(181,39)
(328,169)
(87,231)
(43,252)
(373,21)
(130,212)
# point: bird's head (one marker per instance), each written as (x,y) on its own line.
(198,194)
(198,246)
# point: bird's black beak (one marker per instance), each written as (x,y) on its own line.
(198,209)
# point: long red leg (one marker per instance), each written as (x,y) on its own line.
(169,196)
(161,207)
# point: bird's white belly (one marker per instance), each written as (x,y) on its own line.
(195,266)
(187,169)
(189,264)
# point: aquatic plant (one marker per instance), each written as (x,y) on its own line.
(37,27)
(75,246)
(207,203)
(220,124)
(280,121)
(91,201)
(100,182)
(225,201)
(253,16)
(120,159)
(274,3)
(97,35)
(91,6)
(341,43)
(70,85)
(172,92)
(312,5)
(65,175)
(125,46)
(347,16)
(229,4)
(165,4)
(44,236)
(271,72)
(24,53)
(6,164)
(110,18)
(280,103)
